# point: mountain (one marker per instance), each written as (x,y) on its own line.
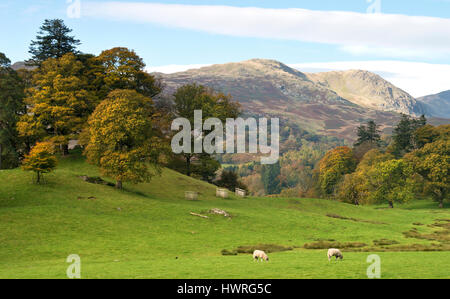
(438,104)
(270,88)
(267,79)
(369,90)
(21,65)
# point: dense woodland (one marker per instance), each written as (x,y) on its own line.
(116,112)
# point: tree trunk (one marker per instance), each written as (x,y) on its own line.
(119,184)
(38,180)
(65,150)
(188,165)
(391,205)
(27,148)
(0,156)
(441,204)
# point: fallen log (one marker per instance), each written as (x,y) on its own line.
(198,215)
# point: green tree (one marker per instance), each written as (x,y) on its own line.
(230,180)
(59,104)
(432,162)
(270,176)
(53,41)
(390,181)
(369,133)
(41,159)
(11,108)
(191,97)
(403,135)
(122,139)
(206,167)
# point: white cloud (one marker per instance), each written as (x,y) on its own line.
(391,52)
(417,78)
(354,32)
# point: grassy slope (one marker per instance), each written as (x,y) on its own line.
(139,232)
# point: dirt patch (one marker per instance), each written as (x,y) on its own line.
(404,247)
(96,180)
(335,244)
(267,248)
(228,252)
(442,235)
(353,219)
(384,242)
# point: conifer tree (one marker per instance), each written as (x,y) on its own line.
(53,41)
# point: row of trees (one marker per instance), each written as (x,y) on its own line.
(106,102)
(11,108)
(415,164)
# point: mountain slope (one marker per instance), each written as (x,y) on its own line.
(270,88)
(437,105)
(369,90)
(257,79)
(21,65)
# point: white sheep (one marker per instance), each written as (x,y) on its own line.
(334,252)
(260,255)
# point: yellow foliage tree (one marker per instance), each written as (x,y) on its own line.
(58,103)
(122,139)
(333,166)
(41,159)
(121,68)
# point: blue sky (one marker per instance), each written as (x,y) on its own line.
(322,35)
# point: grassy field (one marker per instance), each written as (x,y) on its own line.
(146,231)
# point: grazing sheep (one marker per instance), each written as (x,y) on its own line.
(260,255)
(334,252)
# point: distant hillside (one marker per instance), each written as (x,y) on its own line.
(21,65)
(438,104)
(369,90)
(268,87)
(257,79)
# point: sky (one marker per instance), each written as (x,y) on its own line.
(405,41)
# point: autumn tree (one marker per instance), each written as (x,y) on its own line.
(59,103)
(191,97)
(432,162)
(11,108)
(41,159)
(296,170)
(122,140)
(121,68)
(425,134)
(355,187)
(53,41)
(332,168)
